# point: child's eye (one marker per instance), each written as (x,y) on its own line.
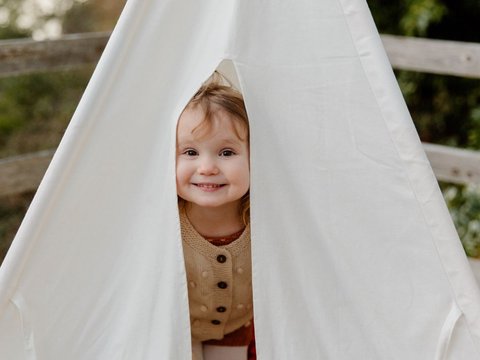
(227,152)
(190,152)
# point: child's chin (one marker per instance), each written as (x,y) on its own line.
(209,205)
(213,204)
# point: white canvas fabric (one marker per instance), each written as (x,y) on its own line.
(354,252)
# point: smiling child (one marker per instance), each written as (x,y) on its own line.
(213,180)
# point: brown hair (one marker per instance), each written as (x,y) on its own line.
(218,94)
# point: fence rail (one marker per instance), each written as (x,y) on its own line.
(407,53)
(433,56)
(25,56)
(454,165)
(23,173)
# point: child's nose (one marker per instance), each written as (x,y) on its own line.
(208,167)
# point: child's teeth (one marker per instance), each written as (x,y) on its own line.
(209,186)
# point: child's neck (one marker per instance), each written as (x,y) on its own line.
(213,222)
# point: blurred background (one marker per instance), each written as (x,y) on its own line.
(35,107)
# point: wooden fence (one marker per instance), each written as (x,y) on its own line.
(23,173)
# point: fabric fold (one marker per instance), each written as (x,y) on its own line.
(446,332)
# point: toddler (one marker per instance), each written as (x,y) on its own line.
(213,180)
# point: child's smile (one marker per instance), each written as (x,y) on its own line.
(212,165)
(209,187)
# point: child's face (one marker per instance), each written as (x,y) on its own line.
(212,167)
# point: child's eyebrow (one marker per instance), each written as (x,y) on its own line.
(231,141)
(183,143)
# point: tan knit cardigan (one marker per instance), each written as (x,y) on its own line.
(219,283)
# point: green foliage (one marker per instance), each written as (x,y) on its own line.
(419,15)
(464,205)
(445,108)
(407,17)
(24,99)
(34,112)
(13,33)
(36,108)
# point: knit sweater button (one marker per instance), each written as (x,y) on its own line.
(222,285)
(203,308)
(221,309)
(205,274)
(216,322)
(240,270)
(221,258)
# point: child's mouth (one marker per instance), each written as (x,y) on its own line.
(209,186)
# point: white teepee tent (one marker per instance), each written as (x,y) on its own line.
(354,253)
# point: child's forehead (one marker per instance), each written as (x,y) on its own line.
(193,124)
